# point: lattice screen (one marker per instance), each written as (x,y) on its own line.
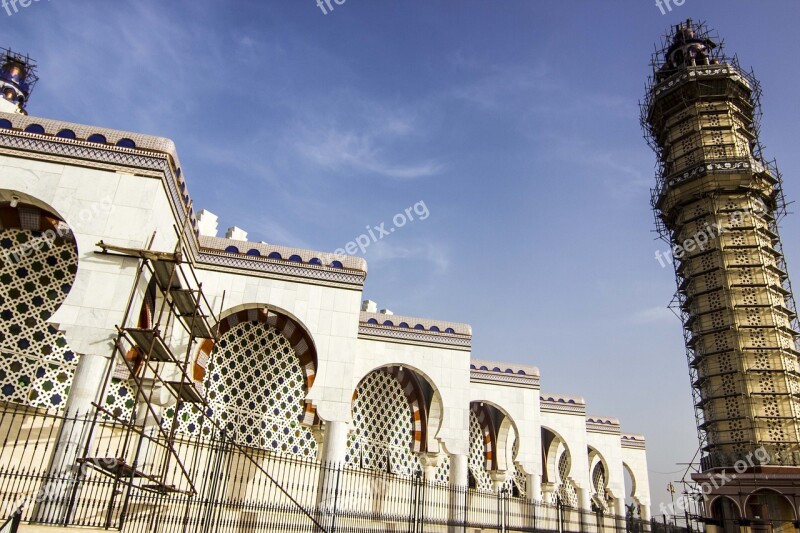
(257,392)
(36,365)
(477,455)
(383,427)
(566,490)
(443,471)
(599,485)
(516,481)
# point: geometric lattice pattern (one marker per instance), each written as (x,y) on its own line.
(599,486)
(520,482)
(257,392)
(384,428)
(36,365)
(121,398)
(477,456)
(515,483)
(566,490)
(443,471)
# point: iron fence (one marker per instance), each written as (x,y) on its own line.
(85,471)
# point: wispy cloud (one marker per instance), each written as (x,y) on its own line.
(365,135)
(386,252)
(652,315)
(364,152)
(495,85)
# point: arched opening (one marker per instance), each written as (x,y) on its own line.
(770,511)
(482,445)
(38,265)
(598,470)
(558,466)
(492,448)
(726,512)
(257,377)
(631,496)
(391,407)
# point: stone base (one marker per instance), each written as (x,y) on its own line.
(762,498)
(38,528)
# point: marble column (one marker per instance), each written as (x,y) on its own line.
(332,458)
(533,493)
(459,481)
(585,515)
(53,500)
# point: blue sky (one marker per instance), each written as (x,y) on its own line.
(515,122)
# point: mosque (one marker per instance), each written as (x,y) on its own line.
(156,376)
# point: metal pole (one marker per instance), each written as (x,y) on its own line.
(466,508)
(671,490)
(336,497)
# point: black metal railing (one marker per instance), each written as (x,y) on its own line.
(79,471)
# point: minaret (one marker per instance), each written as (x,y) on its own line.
(717,202)
(17,78)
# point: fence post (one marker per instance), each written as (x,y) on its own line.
(423,503)
(466,509)
(336,497)
(500,525)
(414,517)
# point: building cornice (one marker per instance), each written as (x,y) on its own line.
(277,269)
(731,166)
(415,337)
(262,250)
(694,73)
(156,158)
(601,424)
(632,441)
(512,380)
(428,325)
(499,373)
(561,404)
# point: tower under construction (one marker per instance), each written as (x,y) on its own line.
(718,202)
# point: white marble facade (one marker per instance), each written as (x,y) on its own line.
(130,196)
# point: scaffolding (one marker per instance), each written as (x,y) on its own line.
(17,77)
(143,451)
(701,116)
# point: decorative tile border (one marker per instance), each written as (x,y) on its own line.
(274,268)
(572,405)
(697,72)
(596,424)
(632,441)
(413,336)
(157,160)
(418,324)
(498,378)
